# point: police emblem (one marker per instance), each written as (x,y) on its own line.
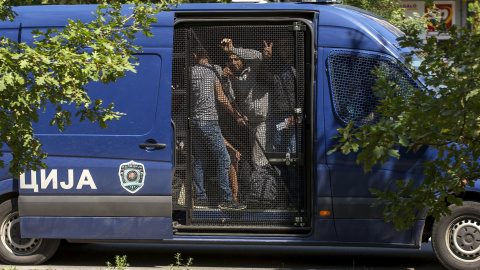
(132,176)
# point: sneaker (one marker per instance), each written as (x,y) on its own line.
(232,205)
(200,204)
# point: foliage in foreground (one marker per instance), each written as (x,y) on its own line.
(391,11)
(120,263)
(387,9)
(445,116)
(179,264)
(53,71)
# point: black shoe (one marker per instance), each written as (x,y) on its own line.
(232,205)
(200,204)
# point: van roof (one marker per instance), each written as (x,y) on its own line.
(331,18)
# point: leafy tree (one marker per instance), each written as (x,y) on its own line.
(53,72)
(204,1)
(474,19)
(387,9)
(443,115)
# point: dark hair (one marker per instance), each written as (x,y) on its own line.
(200,52)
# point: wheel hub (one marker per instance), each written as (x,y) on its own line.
(12,239)
(464,239)
(468,238)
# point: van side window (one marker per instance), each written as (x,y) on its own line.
(351,80)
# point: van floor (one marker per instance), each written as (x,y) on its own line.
(208,220)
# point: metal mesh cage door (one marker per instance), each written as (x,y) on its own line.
(240,92)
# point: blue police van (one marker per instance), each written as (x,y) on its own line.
(228,122)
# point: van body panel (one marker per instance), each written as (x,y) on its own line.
(350,184)
(11,29)
(94,176)
(143,120)
(322,183)
(54,16)
(8,185)
(322,186)
(342,27)
(87,160)
(325,231)
(98,228)
(10,33)
(371,231)
(96,206)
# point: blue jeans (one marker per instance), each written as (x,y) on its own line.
(280,141)
(210,153)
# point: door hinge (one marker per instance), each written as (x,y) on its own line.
(297,26)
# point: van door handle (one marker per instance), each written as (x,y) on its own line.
(151,145)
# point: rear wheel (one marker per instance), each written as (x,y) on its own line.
(17,250)
(456,238)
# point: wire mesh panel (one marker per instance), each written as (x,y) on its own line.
(239,114)
(179,119)
(352,78)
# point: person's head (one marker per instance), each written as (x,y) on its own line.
(199,54)
(235,63)
(285,49)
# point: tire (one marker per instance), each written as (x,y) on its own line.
(456,238)
(16,250)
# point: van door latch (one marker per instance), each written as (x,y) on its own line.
(152,145)
(287,159)
(284,159)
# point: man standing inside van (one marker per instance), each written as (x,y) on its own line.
(282,120)
(209,149)
(243,71)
